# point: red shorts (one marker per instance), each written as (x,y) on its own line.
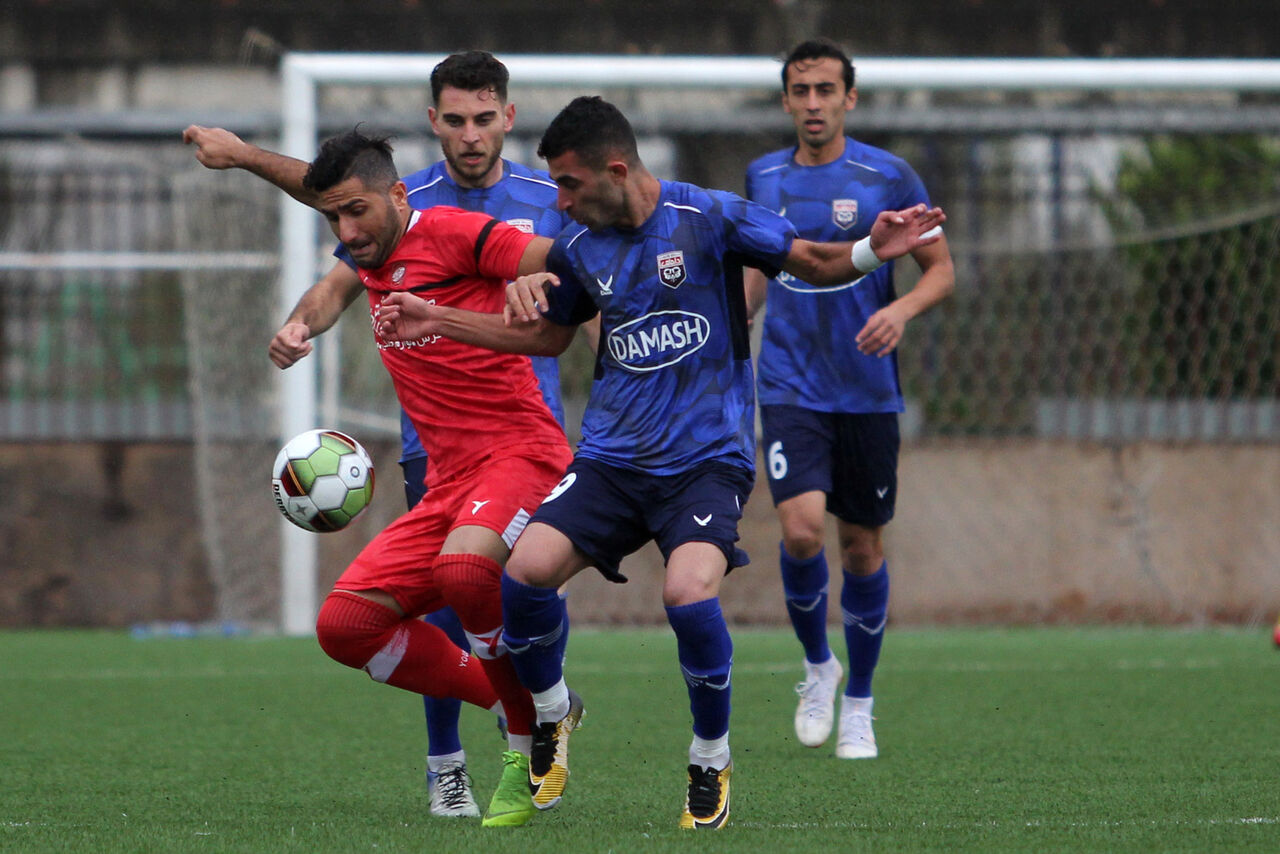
(499,493)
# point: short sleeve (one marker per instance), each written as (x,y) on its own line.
(760,237)
(570,304)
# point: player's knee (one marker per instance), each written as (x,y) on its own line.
(803,541)
(353,630)
(526,570)
(862,553)
(686,590)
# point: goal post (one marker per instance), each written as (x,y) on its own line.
(304,73)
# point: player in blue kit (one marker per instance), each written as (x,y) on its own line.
(668,448)
(471,117)
(828,385)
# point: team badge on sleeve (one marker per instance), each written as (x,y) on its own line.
(671,268)
(844,213)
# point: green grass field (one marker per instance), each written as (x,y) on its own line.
(1093,739)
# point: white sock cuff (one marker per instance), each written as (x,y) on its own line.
(436,762)
(852,704)
(553,703)
(830,664)
(710,753)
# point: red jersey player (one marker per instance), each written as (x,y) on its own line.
(495,450)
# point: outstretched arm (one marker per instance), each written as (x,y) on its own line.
(317,310)
(404,317)
(894,234)
(217,148)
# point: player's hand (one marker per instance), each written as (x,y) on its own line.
(216,148)
(290,344)
(405,317)
(895,233)
(527,298)
(883,331)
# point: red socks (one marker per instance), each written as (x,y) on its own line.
(399,651)
(472,585)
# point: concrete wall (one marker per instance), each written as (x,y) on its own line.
(991,532)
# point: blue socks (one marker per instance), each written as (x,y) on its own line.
(804,583)
(865,603)
(534,629)
(442,712)
(706,660)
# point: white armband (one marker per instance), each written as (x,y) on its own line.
(864,257)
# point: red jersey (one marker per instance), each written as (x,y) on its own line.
(465,401)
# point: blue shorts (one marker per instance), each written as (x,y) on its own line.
(609,512)
(851,457)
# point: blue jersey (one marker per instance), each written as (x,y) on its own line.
(808,357)
(673,381)
(523,197)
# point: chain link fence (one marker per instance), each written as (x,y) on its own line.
(1118,280)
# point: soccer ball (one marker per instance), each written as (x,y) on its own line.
(322,479)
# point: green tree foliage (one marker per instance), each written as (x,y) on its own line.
(1198,218)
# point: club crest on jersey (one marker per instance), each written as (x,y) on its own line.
(671,268)
(844,213)
(525,225)
(397,275)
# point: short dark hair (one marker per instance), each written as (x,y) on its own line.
(820,48)
(470,71)
(593,129)
(352,154)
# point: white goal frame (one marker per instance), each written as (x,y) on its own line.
(303,73)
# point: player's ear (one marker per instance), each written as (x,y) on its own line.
(432,115)
(399,193)
(508,118)
(851,98)
(617,170)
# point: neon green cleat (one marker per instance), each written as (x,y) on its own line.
(512,805)
(549,763)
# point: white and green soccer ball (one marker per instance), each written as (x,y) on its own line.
(322,479)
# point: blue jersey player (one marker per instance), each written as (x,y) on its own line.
(471,117)
(828,385)
(668,450)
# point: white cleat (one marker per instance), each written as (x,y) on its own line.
(450,790)
(856,740)
(816,713)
